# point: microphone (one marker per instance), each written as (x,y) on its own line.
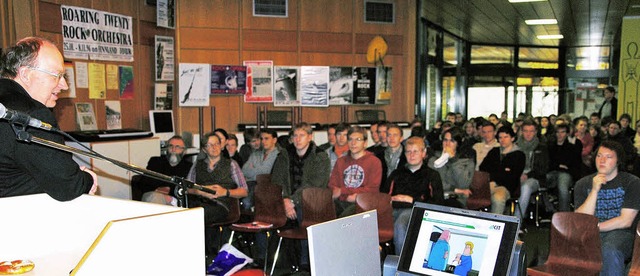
(20,118)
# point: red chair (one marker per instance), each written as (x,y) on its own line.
(382,203)
(574,246)
(232,217)
(480,198)
(317,207)
(269,212)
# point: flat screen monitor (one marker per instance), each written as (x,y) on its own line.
(444,240)
(161,122)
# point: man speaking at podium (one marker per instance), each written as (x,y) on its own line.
(32,76)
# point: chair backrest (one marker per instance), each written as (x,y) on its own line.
(575,241)
(317,206)
(382,203)
(269,204)
(635,260)
(480,191)
(234,213)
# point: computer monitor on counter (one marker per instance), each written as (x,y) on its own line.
(161,122)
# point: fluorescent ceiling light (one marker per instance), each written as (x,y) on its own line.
(541,22)
(523,1)
(555,36)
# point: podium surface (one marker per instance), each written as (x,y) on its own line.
(93,235)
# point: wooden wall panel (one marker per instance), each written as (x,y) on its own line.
(257,40)
(326,16)
(202,38)
(50,18)
(210,56)
(270,23)
(279,58)
(326,42)
(208,13)
(323,59)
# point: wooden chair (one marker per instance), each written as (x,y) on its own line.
(232,217)
(317,207)
(480,198)
(574,246)
(269,212)
(382,203)
(635,259)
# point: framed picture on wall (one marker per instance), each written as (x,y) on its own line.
(259,81)
(164,58)
(285,86)
(166,14)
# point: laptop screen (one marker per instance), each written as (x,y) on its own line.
(444,240)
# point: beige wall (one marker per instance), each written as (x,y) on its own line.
(318,32)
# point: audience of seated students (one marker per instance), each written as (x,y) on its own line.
(459,119)
(331,137)
(612,196)
(305,166)
(220,174)
(625,125)
(408,184)
(564,165)
(505,165)
(455,171)
(393,156)
(378,149)
(251,143)
(546,131)
(232,149)
(604,127)
(358,172)
(341,146)
(615,134)
(488,134)
(172,164)
(261,162)
(536,165)
(581,132)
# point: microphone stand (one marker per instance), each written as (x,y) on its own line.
(181,185)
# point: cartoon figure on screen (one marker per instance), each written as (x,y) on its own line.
(463,261)
(437,259)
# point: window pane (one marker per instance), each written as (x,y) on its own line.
(484,101)
(481,54)
(538,58)
(588,58)
(450,51)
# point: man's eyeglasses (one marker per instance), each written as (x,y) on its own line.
(208,145)
(58,76)
(356,139)
(175,147)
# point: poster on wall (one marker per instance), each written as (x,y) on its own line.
(85,117)
(82,74)
(164,57)
(166,13)
(228,80)
(383,85)
(126,82)
(341,82)
(194,84)
(112,77)
(163,96)
(96,35)
(285,86)
(97,81)
(113,114)
(314,86)
(364,91)
(259,81)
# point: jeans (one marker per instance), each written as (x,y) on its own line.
(527,188)
(564,182)
(617,247)
(401,217)
(499,196)
(247,201)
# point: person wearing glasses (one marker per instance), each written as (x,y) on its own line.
(360,171)
(220,174)
(32,76)
(171,164)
